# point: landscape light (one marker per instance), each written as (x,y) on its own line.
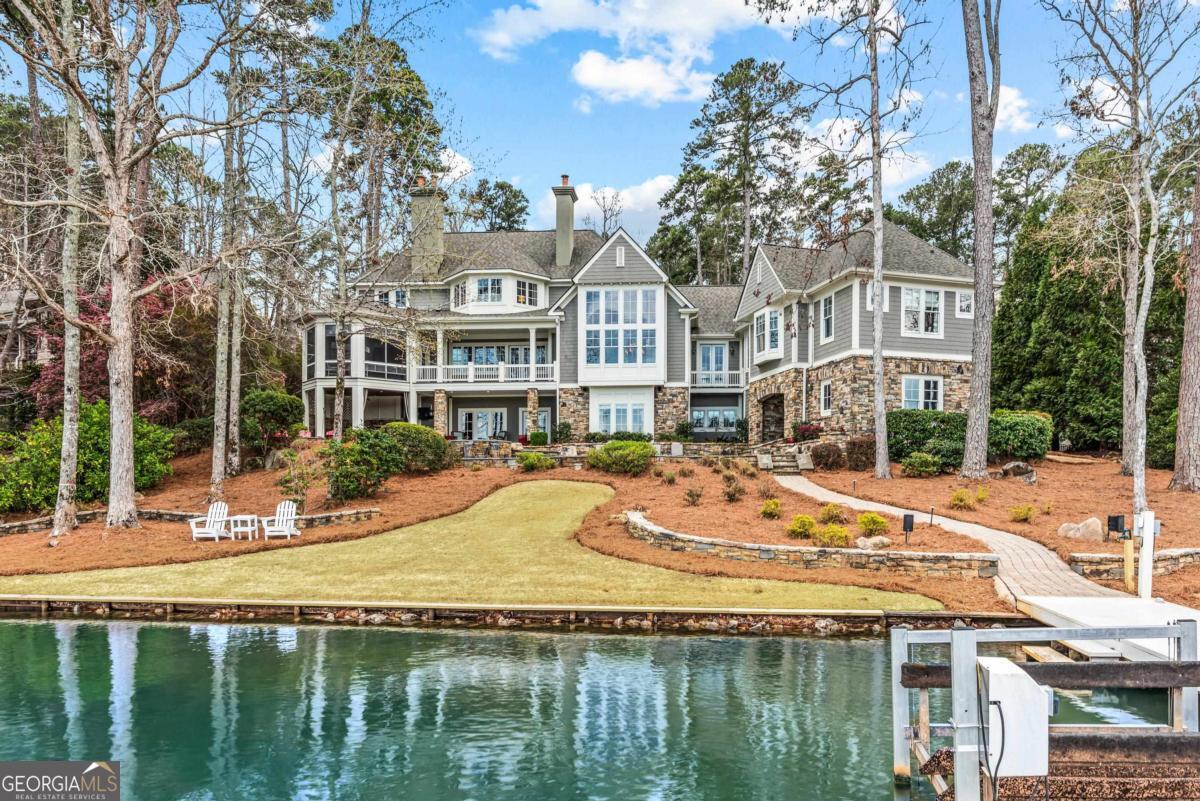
(908,527)
(1116,524)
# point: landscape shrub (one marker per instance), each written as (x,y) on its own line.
(685,430)
(476,467)
(532,461)
(726,462)
(299,475)
(771,509)
(708,461)
(352,469)
(562,432)
(657,471)
(692,496)
(595,436)
(832,513)
(668,477)
(741,430)
(729,477)
(910,429)
(860,453)
(270,419)
(832,536)
(802,527)
(686,471)
(419,449)
(920,465)
(872,525)
(193,436)
(539,438)
(766,491)
(735,491)
(981,494)
(803,431)
(1019,435)
(29,474)
(828,456)
(629,436)
(948,451)
(622,456)
(1022,514)
(961,499)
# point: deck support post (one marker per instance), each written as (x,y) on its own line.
(1146,527)
(964,704)
(1189,651)
(901,761)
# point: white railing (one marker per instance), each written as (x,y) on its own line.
(717,378)
(394,372)
(484,373)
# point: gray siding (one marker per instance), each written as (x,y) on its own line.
(707,400)
(733,352)
(785,339)
(556,292)
(568,359)
(604,269)
(842,318)
(762,280)
(957,332)
(675,350)
(802,333)
(427,298)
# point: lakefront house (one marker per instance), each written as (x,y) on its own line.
(520,331)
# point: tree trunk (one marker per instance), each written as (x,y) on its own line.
(64,507)
(983,117)
(1187,434)
(883,463)
(233,447)
(122,507)
(746,222)
(14,326)
(216,484)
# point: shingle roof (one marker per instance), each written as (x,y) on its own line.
(526,251)
(717,306)
(903,252)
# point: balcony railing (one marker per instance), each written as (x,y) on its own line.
(718,378)
(484,373)
(393,372)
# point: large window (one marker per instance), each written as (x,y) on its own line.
(489,290)
(621,417)
(310,352)
(383,359)
(767,324)
(722,418)
(921,312)
(922,392)
(627,334)
(527,293)
(331,351)
(827,318)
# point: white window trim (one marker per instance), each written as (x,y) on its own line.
(767,353)
(462,413)
(479,299)
(721,410)
(828,382)
(958,307)
(832,318)
(941,332)
(640,295)
(941,384)
(620,257)
(870,297)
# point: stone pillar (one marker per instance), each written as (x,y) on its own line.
(573,408)
(670,408)
(531,410)
(441,415)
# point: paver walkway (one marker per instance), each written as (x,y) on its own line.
(1026,568)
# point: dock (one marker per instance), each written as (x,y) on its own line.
(1110,612)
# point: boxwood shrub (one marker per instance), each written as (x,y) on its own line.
(1011,434)
(828,456)
(622,456)
(920,465)
(948,451)
(860,453)
(538,438)
(1019,435)
(419,449)
(532,461)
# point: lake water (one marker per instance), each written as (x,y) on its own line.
(278,712)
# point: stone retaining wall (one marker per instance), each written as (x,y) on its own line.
(178,516)
(1112,565)
(910,563)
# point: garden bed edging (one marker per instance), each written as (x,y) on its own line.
(911,563)
(1112,565)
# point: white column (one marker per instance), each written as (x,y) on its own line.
(533,353)
(358,397)
(687,354)
(795,332)
(358,351)
(319,397)
(412,406)
(441,347)
(320,342)
(411,357)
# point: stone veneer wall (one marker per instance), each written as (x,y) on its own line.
(441,412)
(531,410)
(853,392)
(573,409)
(670,408)
(1112,565)
(910,563)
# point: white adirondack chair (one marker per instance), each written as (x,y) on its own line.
(214,525)
(283,524)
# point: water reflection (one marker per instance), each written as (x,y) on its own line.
(220,712)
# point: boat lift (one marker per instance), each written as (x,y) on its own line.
(1016,697)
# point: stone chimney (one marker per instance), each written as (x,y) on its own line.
(428,224)
(564,222)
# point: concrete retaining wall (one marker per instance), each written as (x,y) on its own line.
(1112,565)
(911,563)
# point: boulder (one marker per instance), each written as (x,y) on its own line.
(1021,470)
(765,462)
(877,543)
(1091,530)
(804,461)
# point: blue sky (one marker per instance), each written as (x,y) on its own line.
(606,90)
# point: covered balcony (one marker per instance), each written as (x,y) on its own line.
(733,379)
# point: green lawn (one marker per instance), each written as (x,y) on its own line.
(515,546)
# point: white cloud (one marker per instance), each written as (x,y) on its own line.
(1013,113)
(1063,131)
(644,79)
(639,205)
(659,43)
(583,104)
(455,166)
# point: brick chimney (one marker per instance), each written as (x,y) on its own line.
(564,222)
(428,224)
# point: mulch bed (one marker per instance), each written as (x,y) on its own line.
(1065,493)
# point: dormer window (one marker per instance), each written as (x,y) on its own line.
(489,290)
(620,256)
(527,293)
